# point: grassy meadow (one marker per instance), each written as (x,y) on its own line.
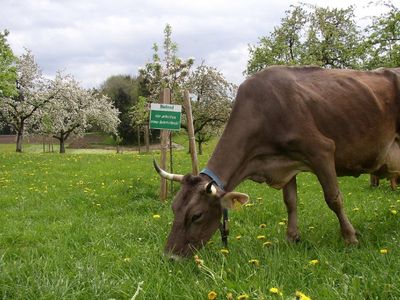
(90,226)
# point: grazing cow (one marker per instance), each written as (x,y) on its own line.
(287,120)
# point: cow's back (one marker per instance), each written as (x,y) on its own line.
(357,110)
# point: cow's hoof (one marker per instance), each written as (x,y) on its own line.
(293,238)
(350,241)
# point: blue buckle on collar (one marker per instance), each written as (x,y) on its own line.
(214,177)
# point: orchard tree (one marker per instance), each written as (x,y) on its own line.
(75,110)
(8,75)
(167,72)
(140,118)
(212,102)
(383,39)
(333,38)
(283,46)
(123,90)
(33,93)
(310,34)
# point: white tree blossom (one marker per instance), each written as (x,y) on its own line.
(75,110)
(33,93)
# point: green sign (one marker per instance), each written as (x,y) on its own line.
(165,116)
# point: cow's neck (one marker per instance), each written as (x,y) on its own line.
(227,161)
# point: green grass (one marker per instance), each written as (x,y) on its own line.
(79,226)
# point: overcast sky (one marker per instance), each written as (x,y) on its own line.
(93,39)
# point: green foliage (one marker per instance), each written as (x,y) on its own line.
(383,41)
(170,71)
(8,75)
(329,38)
(82,227)
(123,90)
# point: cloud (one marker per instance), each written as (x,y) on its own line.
(96,39)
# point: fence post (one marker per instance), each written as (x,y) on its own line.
(165,99)
(192,142)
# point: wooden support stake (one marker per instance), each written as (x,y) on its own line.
(164,136)
(192,142)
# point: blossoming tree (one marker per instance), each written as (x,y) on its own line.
(75,110)
(18,111)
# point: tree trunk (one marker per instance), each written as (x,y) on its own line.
(62,144)
(138,137)
(146,137)
(20,135)
(200,145)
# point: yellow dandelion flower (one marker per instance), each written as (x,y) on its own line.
(255,262)
(275,291)
(263,225)
(243,297)
(313,262)
(238,237)
(393,212)
(301,296)
(249,205)
(261,237)
(383,251)
(198,261)
(267,244)
(224,251)
(156,216)
(282,223)
(356,209)
(212,295)
(127,259)
(259,198)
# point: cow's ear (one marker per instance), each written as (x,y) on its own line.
(233,199)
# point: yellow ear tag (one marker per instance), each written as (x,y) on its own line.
(236,204)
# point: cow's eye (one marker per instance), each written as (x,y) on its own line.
(196,217)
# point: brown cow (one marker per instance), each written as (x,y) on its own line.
(287,120)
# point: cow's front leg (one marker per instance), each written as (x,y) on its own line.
(290,198)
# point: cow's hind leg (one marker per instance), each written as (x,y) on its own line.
(290,198)
(324,167)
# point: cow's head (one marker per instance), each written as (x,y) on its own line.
(197,211)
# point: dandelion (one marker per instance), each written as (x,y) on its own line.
(301,296)
(249,204)
(224,251)
(356,209)
(383,251)
(255,262)
(267,244)
(127,259)
(198,261)
(261,237)
(156,216)
(263,225)
(282,223)
(212,295)
(393,212)
(275,291)
(238,237)
(243,297)
(313,262)
(259,198)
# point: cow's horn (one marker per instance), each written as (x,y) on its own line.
(210,188)
(166,175)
